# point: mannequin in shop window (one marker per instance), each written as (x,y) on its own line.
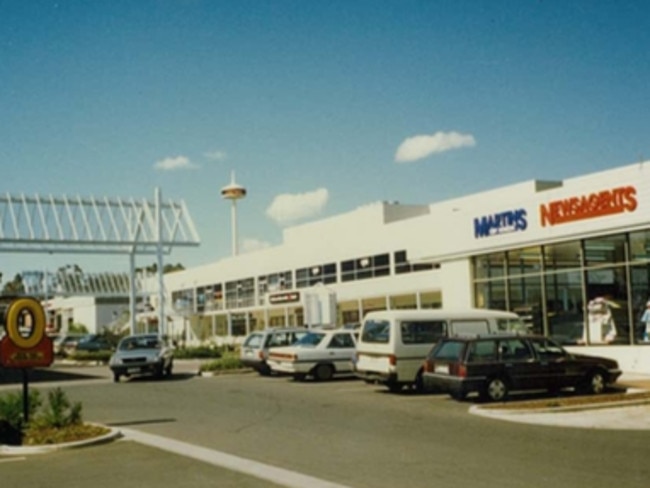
(645,320)
(600,322)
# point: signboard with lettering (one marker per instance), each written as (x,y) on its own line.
(25,344)
(287,297)
(500,223)
(597,204)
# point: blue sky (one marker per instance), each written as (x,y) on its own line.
(319,107)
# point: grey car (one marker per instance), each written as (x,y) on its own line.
(142,354)
(255,349)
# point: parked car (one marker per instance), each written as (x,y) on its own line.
(65,343)
(393,343)
(142,354)
(93,343)
(320,353)
(494,366)
(255,349)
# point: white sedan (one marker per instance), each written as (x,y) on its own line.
(321,354)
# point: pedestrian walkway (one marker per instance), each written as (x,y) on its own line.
(619,416)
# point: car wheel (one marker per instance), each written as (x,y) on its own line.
(160,371)
(299,376)
(324,372)
(418,385)
(595,383)
(116,377)
(495,390)
(395,387)
(168,370)
(264,370)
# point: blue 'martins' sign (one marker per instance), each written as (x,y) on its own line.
(500,223)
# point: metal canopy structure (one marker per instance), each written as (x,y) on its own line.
(93,225)
(89,225)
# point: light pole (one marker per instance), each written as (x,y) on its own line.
(233,192)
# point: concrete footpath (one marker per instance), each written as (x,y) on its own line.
(623,415)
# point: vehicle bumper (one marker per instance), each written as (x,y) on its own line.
(376,377)
(453,385)
(137,369)
(290,367)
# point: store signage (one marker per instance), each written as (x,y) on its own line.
(500,223)
(25,345)
(288,297)
(589,206)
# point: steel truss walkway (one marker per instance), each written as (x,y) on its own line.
(92,225)
(89,225)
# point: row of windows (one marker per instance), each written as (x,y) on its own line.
(552,287)
(241,293)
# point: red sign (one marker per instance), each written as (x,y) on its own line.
(38,356)
(600,204)
(25,345)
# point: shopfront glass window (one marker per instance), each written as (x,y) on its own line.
(564,306)
(562,256)
(491,294)
(607,310)
(640,246)
(608,249)
(524,261)
(526,300)
(640,302)
(489,265)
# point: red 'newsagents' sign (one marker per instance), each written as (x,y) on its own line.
(597,204)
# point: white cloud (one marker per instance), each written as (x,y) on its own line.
(216,155)
(173,164)
(250,245)
(288,208)
(421,146)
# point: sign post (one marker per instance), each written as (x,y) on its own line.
(25,345)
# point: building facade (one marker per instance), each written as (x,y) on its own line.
(571,256)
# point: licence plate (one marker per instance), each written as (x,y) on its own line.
(441,368)
(133,370)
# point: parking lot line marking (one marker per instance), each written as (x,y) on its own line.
(12,459)
(277,475)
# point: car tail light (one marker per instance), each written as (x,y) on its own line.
(428,366)
(260,354)
(392,359)
(462,371)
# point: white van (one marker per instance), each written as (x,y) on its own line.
(392,344)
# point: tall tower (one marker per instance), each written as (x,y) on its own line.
(233,192)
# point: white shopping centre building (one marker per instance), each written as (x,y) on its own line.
(546,249)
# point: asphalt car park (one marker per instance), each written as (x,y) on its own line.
(341,431)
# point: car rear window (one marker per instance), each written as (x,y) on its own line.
(449,350)
(376,331)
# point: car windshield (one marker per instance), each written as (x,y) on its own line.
(254,340)
(131,343)
(311,339)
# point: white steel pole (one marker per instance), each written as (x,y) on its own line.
(162,326)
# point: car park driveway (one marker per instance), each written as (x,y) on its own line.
(339,433)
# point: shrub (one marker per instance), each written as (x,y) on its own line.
(11,407)
(200,352)
(98,356)
(227,362)
(12,421)
(59,411)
